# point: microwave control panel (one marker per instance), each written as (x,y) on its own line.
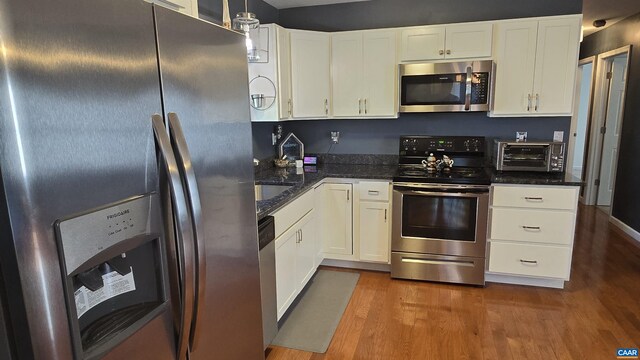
(480,88)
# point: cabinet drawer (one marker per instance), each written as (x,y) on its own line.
(374,190)
(539,226)
(530,260)
(535,197)
(294,211)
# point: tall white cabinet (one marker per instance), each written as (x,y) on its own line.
(310,74)
(536,64)
(364,74)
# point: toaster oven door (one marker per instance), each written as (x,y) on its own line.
(519,157)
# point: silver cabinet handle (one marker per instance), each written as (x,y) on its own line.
(185,167)
(448,52)
(531,227)
(467,95)
(347,195)
(359,106)
(374,192)
(533,262)
(537,102)
(528,102)
(290,107)
(385,215)
(301,235)
(185,250)
(441,52)
(366,107)
(326,106)
(534,199)
(298,236)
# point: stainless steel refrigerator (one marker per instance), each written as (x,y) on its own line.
(127,208)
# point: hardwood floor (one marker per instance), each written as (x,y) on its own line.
(596,313)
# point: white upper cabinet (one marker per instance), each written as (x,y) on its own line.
(189,7)
(283,61)
(423,43)
(310,74)
(364,74)
(536,63)
(347,74)
(459,41)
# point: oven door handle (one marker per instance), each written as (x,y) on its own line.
(445,194)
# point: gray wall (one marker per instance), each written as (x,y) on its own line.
(626,204)
(395,13)
(381,136)
(212,10)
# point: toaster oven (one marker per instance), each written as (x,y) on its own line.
(541,156)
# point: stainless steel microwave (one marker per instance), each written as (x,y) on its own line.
(444,87)
(542,156)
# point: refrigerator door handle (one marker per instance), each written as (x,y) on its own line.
(185,256)
(185,166)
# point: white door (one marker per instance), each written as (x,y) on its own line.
(310,78)
(380,68)
(556,64)
(515,65)
(306,252)
(346,72)
(374,231)
(423,43)
(286,282)
(284,73)
(613,123)
(468,41)
(337,219)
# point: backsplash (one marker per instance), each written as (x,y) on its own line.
(378,136)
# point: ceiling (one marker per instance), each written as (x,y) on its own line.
(284,4)
(611,11)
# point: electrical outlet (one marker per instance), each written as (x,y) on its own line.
(558,136)
(521,136)
(335,136)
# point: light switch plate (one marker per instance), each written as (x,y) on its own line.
(558,136)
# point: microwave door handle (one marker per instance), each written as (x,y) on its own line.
(467,98)
(185,167)
(185,250)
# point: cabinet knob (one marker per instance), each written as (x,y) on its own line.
(448,52)
(441,52)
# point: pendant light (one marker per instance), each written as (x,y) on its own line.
(248,24)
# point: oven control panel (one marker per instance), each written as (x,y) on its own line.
(423,145)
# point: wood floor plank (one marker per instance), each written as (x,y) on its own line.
(596,313)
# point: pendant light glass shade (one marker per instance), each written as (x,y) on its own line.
(249,24)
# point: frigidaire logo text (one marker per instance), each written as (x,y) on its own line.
(119,213)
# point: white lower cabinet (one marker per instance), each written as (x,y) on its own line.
(374,231)
(531,234)
(296,249)
(337,219)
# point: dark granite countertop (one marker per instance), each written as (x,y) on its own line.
(381,167)
(306,179)
(535,178)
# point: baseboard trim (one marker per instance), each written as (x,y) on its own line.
(522,280)
(625,228)
(356,265)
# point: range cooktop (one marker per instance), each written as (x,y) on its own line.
(467,152)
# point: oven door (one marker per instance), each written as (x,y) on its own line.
(440,221)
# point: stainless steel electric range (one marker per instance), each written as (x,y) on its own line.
(440,217)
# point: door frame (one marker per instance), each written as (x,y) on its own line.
(599,111)
(574,118)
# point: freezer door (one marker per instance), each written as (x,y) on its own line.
(78,86)
(204,82)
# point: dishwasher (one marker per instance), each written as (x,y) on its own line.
(266,236)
